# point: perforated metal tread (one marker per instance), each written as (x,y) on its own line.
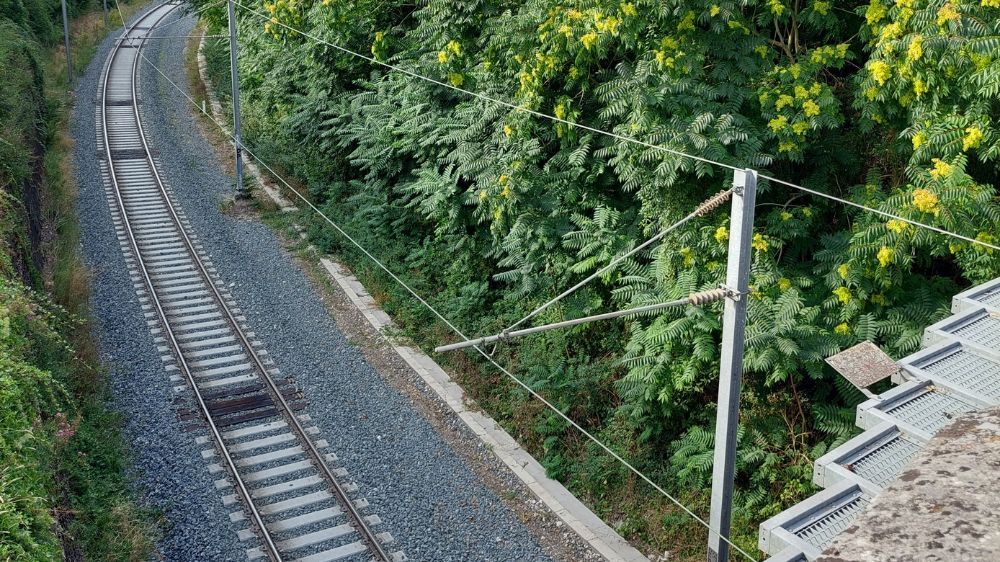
(872,460)
(958,366)
(812,524)
(921,407)
(986,295)
(979,327)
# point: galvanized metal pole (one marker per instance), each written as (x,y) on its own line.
(731,367)
(237,135)
(69,59)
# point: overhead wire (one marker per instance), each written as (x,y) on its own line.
(449,324)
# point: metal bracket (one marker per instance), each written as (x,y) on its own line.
(731,293)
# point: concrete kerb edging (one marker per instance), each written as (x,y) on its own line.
(553,494)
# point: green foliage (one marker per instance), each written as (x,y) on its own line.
(488,211)
(62,479)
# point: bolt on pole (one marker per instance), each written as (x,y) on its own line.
(237,134)
(69,59)
(731,364)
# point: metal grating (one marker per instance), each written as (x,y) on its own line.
(930,410)
(821,532)
(970,371)
(881,464)
(984,331)
(991,297)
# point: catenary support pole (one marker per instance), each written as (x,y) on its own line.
(237,133)
(731,364)
(69,59)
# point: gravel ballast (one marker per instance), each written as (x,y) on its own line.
(168,468)
(428,497)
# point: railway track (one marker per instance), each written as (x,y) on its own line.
(274,469)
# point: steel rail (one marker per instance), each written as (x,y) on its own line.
(356,519)
(270,547)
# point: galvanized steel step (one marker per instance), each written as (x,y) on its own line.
(871,460)
(978,327)
(919,407)
(986,295)
(959,366)
(812,524)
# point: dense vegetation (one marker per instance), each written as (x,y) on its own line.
(488,211)
(63,491)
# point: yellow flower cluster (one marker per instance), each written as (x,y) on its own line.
(628,9)
(897,226)
(784,284)
(688,256)
(875,13)
(948,13)
(885,256)
(714,10)
(721,234)
(828,54)
(919,139)
(606,24)
(925,201)
(452,49)
(588,40)
(990,3)
(941,169)
(843,293)
(821,8)
(843,270)
(880,71)
(810,108)
(760,243)
(973,136)
(916,48)
(842,328)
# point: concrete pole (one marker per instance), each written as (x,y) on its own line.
(237,135)
(731,364)
(69,59)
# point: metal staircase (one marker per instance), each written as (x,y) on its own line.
(958,371)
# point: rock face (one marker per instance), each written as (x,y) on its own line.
(945,506)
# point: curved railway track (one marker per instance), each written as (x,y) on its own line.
(283,488)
